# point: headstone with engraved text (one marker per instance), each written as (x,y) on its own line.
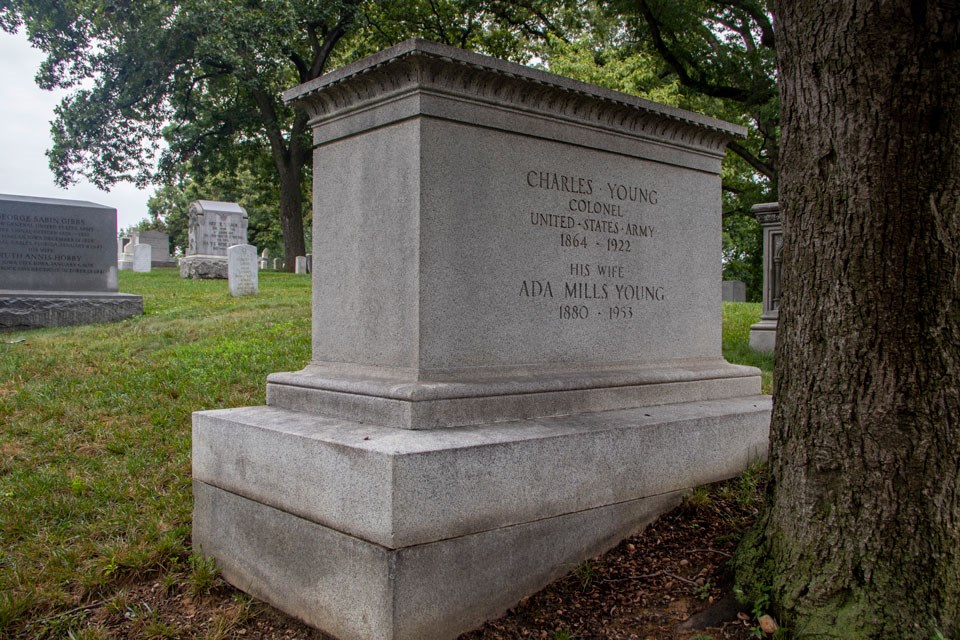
(516,348)
(212,228)
(58,264)
(242,270)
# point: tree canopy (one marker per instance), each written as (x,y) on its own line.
(159,87)
(163,92)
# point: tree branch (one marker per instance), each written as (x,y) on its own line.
(716,91)
(767,38)
(758,165)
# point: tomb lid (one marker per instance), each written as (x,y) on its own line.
(215,206)
(475,73)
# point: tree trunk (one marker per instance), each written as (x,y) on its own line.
(860,537)
(291,212)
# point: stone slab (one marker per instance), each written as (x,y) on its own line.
(734,291)
(300,265)
(369,532)
(160,242)
(142,258)
(763,336)
(242,270)
(205,267)
(408,402)
(29,309)
(49,244)
(397,487)
(357,590)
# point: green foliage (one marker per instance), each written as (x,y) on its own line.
(743,253)
(737,318)
(157,88)
(203,574)
(586,573)
(248,184)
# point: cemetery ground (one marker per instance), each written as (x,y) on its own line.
(95,483)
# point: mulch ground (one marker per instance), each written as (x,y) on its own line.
(644,588)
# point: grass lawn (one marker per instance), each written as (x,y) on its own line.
(95,441)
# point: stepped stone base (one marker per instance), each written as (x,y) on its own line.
(27,309)
(370,532)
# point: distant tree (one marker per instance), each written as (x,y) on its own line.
(244,184)
(860,537)
(202,76)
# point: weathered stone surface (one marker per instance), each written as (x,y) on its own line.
(57,264)
(142,258)
(29,309)
(214,227)
(203,267)
(516,349)
(356,590)
(432,532)
(48,244)
(300,266)
(242,270)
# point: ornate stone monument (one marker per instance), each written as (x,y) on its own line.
(58,264)
(516,349)
(213,227)
(763,335)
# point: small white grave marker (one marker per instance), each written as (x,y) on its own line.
(242,270)
(142,257)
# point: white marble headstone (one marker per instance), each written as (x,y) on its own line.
(301,264)
(142,257)
(242,265)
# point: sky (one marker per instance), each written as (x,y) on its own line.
(25,115)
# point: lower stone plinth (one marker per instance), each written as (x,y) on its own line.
(370,532)
(29,309)
(203,267)
(763,336)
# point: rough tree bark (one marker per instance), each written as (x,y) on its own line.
(860,537)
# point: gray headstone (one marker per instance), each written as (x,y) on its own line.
(277,264)
(734,291)
(309,263)
(242,270)
(301,264)
(142,255)
(48,244)
(58,263)
(527,259)
(160,242)
(214,226)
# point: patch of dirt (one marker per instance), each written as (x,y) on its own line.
(643,589)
